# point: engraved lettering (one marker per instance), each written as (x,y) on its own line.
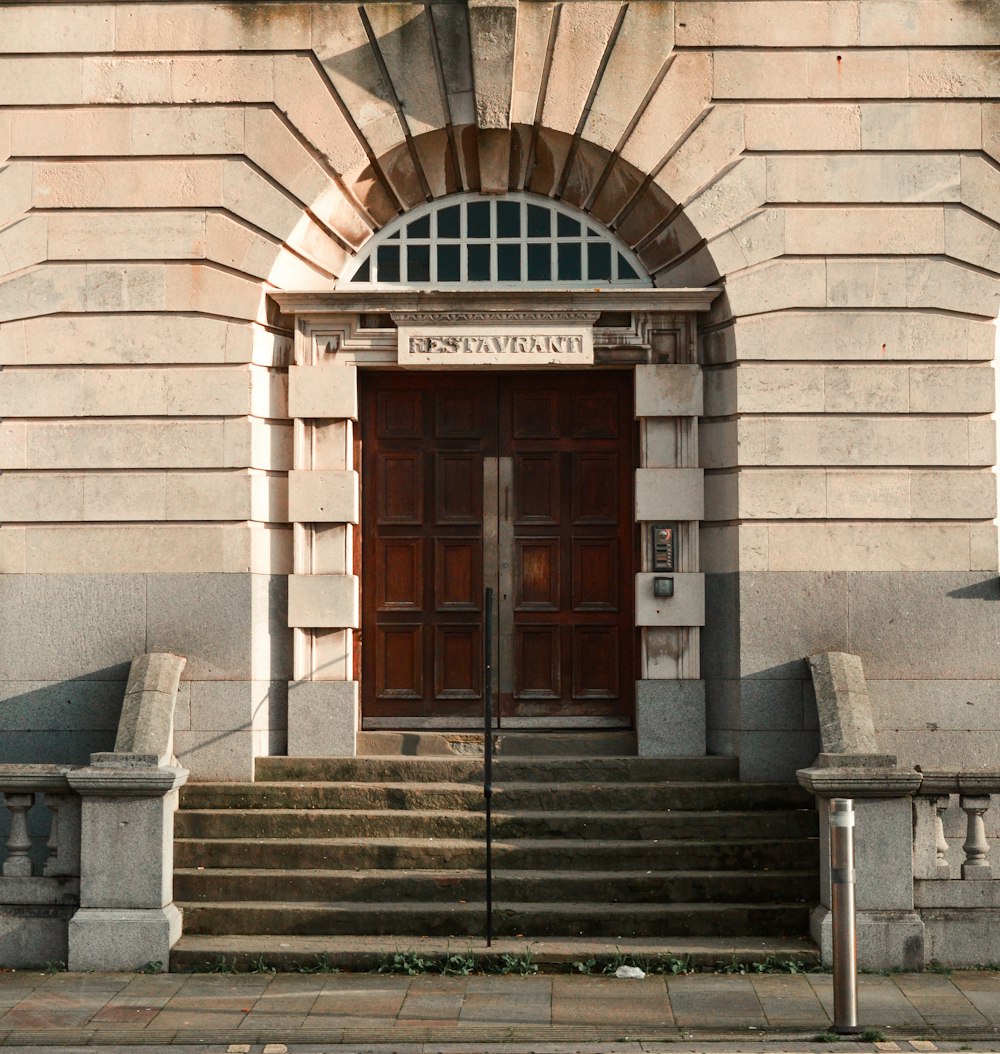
(495,345)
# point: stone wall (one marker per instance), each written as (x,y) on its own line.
(168,163)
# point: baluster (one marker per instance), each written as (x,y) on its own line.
(64,835)
(940,842)
(18,862)
(976,846)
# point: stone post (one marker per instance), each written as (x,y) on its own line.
(127,918)
(890,931)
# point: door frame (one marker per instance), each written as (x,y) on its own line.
(651,331)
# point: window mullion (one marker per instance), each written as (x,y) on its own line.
(577,232)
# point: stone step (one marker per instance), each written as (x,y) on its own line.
(469,769)
(572,797)
(459,884)
(511,919)
(525,853)
(327,823)
(366,953)
(521,743)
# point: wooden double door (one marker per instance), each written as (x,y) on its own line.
(522,482)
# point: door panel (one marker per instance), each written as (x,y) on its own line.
(536,487)
(400,488)
(569,437)
(535,414)
(458,662)
(400,669)
(458,574)
(537,664)
(596,583)
(595,662)
(536,574)
(458,488)
(399,574)
(518,481)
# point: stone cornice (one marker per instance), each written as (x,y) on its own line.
(948,781)
(28,778)
(500,301)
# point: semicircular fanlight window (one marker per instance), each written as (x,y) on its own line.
(517,240)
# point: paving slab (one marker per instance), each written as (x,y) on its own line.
(789,1002)
(718,1000)
(457,1014)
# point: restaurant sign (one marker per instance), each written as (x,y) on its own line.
(496,345)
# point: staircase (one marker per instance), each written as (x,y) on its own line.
(359,857)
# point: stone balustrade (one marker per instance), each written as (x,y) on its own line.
(944,794)
(38,897)
(78,906)
(926,890)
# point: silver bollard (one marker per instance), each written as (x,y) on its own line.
(845,943)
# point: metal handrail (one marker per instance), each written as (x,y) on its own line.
(488,760)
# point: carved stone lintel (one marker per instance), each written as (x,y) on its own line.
(499,317)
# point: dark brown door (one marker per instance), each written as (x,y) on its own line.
(522,482)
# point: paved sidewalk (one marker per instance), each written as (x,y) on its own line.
(108,1010)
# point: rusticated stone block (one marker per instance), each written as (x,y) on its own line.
(670,718)
(322,718)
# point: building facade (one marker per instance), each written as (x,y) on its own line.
(672,323)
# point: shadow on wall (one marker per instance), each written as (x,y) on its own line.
(63,722)
(986,590)
(58,723)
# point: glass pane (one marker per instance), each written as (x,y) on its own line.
(486,239)
(508,219)
(479,219)
(567,228)
(509,263)
(419,228)
(418,263)
(539,222)
(448,220)
(479,263)
(599,261)
(449,263)
(539,263)
(388,263)
(625,269)
(569,262)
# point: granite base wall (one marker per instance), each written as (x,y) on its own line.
(66,642)
(929,641)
